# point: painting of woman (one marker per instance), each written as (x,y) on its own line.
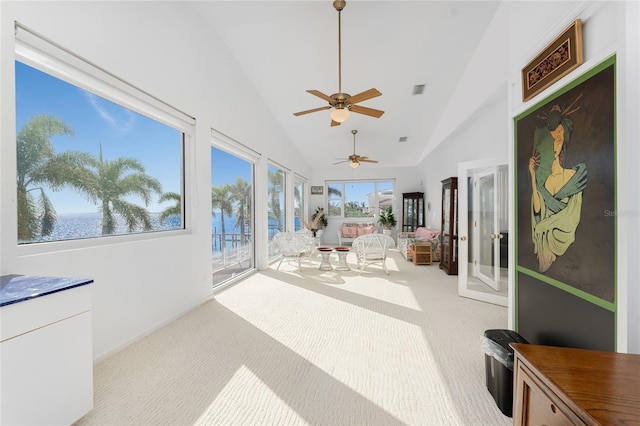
(556,191)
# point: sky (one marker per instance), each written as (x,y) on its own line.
(120,132)
(225,168)
(96,123)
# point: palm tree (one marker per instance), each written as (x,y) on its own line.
(241,193)
(332,190)
(110,183)
(38,166)
(221,199)
(173,210)
(275,181)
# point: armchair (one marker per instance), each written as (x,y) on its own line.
(293,246)
(371,249)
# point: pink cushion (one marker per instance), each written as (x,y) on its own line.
(349,231)
(353,230)
(426,233)
(366,229)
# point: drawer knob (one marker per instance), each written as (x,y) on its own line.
(553,408)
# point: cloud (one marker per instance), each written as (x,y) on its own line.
(123,124)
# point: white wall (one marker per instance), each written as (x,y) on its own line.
(477,123)
(140,283)
(482,136)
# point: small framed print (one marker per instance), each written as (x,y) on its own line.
(316,190)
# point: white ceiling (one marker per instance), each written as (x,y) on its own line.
(288,47)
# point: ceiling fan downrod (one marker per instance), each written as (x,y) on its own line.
(339,5)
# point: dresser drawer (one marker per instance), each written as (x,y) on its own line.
(538,405)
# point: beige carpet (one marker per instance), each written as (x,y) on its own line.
(323,348)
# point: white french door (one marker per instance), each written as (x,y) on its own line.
(485,227)
(482,235)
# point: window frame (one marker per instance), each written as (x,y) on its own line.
(48,57)
(232,147)
(342,197)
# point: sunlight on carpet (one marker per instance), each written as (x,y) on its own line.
(299,347)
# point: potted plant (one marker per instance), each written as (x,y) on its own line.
(387,220)
(318,221)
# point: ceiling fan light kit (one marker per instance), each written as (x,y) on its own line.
(340,115)
(342,103)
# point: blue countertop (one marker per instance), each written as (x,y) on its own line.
(18,288)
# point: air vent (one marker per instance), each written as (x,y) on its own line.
(403,138)
(418,89)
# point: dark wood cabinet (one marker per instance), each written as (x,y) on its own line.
(412,211)
(567,386)
(449,231)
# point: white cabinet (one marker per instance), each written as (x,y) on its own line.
(46,359)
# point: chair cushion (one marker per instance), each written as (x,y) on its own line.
(426,233)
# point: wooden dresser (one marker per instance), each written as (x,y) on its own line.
(565,386)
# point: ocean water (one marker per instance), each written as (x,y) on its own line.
(89,225)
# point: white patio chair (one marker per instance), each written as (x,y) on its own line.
(313,241)
(371,249)
(293,246)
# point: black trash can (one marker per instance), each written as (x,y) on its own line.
(498,361)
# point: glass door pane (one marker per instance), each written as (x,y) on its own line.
(231,215)
(276,210)
(486,240)
(299,203)
(483,220)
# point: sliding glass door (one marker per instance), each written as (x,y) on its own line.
(276,206)
(232,215)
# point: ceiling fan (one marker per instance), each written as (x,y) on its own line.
(343,103)
(355,160)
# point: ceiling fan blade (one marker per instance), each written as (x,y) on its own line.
(322,96)
(366,111)
(334,123)
(311,110)
(364,160)
(368,94)
(340,162)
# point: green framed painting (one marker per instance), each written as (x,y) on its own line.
(565,187)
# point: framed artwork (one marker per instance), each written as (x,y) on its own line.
(316,190)
(566,185)
(558,59)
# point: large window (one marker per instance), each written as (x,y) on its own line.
(276,209)
(89,166)
(231,215)
(358,199)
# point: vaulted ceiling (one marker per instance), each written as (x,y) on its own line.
(288,47)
